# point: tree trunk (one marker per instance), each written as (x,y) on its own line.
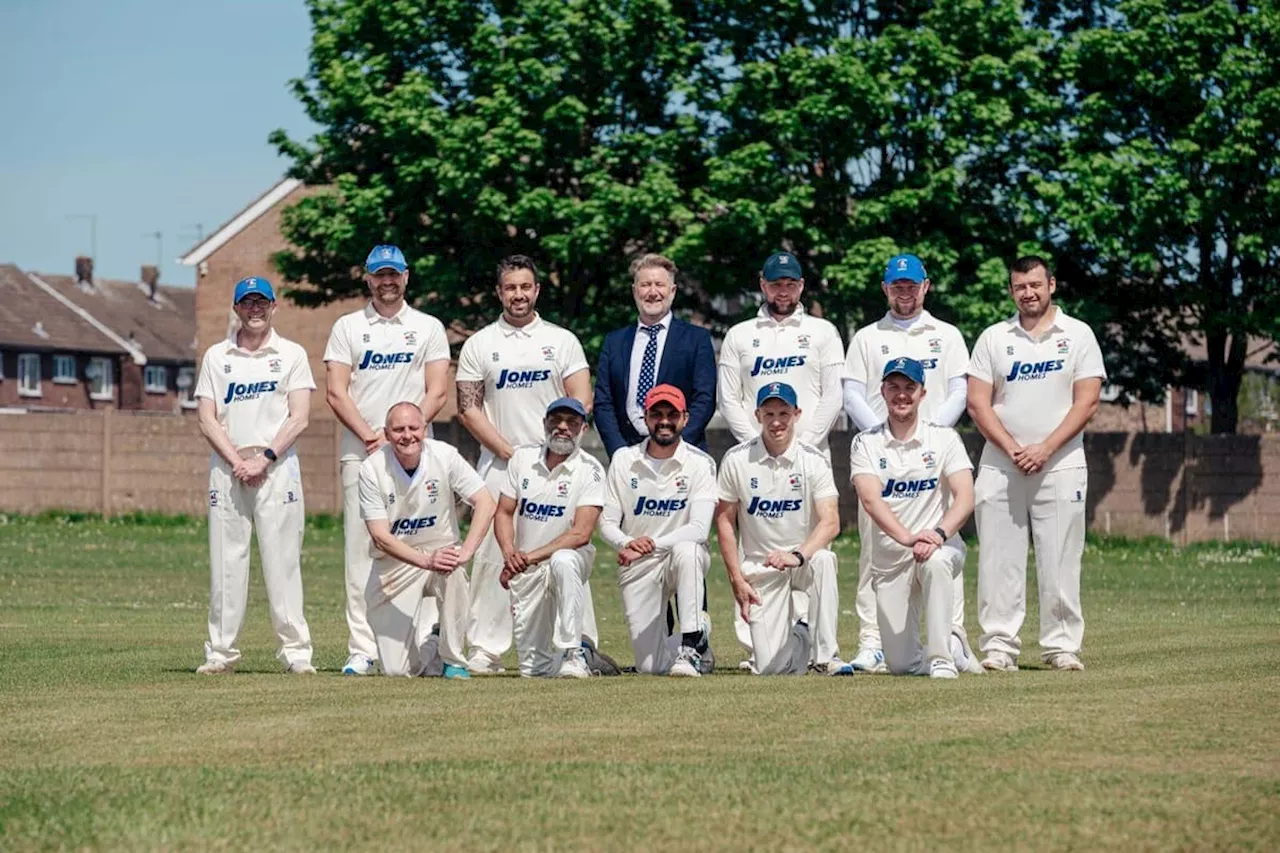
(1225,377)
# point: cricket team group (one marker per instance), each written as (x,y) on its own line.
(423,599)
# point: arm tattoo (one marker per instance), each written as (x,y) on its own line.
(470,394)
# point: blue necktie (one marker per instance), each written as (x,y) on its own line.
(649,365)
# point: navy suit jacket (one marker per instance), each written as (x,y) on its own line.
(688,362)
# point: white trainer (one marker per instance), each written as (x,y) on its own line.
(687,665)
(869,660)
(1065,661)
(300,668)
(481,662)
(215,667)
(942,668)
(964,658)
(574,665)
(357,665)
(999,662)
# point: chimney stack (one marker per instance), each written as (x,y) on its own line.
(84,270)
(151,278)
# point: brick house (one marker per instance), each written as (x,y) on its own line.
(70,342)
(243,247)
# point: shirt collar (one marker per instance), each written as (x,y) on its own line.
(568,465)
(271,345)
(526,330)
(372,316)
(926,321)
(763,317)
(1014,327)
(917,436)
(401,475)
(664,323)
(788,456)
(681,457)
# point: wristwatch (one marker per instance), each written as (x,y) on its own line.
(799,556)
(938,530)
(270,454)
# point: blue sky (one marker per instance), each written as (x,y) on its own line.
(152,114)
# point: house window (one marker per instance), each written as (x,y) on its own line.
(29,375)
(156,378)
(64,369)
(1192,407)
(187,387)
(101,379)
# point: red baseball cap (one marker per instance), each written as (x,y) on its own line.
(665,394)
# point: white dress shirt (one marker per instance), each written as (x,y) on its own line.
(635,412)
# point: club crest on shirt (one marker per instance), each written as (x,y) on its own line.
(884,350)
(213,497)
(682,484)
(562,489)
(1064,346)
(796,482)
(935,344)
(411,338)
(274,364)
(549,353)
(432,488)
(928,459)
(802,341)
(884,463)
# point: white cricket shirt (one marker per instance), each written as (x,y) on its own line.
(645,502)
(775,494)
(1032,382)
(913,479)
(546,499)
(420,509)
(523,371)
(937,345)
(795,350)
(251,389)
(388,357)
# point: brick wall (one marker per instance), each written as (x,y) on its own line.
(1181,486)
(56,395)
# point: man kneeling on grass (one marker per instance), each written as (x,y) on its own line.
(550,502)
(406,500)
(915,481)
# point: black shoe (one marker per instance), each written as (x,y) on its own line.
(598,662)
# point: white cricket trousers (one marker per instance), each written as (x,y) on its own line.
(275,510)
(359,554)
(778,650)
(397,593)
(865,603)
(1052,506)
(548,603)
(902,592)
(647,585)
(489,628)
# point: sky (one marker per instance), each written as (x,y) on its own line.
(152,115)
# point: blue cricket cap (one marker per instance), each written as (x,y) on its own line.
(908,367)
(260,286)
(573,404)
(781,265)
(904,267)
(385,257)
(777,391)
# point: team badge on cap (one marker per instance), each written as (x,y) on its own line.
(776,391)
(907,367)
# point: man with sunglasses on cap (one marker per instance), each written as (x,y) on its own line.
(254,395)
(906,329)
(659,501)
(779,499)
(782,343)
(382,354)
(550,502)
(915,482)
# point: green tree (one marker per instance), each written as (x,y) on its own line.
(1167,202)
(465,131)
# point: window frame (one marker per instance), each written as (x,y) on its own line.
(155,388)
(107,392)
(71,378)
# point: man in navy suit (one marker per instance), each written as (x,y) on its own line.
(659,349)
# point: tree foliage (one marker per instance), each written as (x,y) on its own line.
(1132,140)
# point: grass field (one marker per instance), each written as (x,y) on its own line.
(1170,739)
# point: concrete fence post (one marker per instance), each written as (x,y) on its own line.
(106,463)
